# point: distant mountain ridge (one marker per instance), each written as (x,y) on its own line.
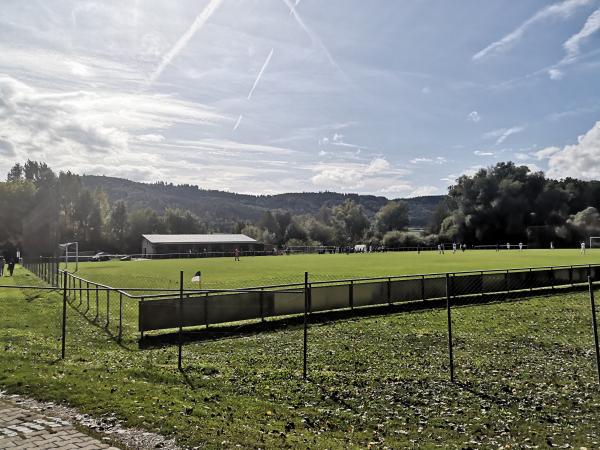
(222,206)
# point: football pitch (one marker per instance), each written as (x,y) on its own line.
(224,273)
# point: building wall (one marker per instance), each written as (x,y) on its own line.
(147,248)
(198,249)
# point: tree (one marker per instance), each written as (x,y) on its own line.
(392,216)
(82,213)
(585,223)
(321,232)
(295,231)
(352,218)
(178,221)
(268,222)
(118,222)
(15,173)
(142,221)
(253,231)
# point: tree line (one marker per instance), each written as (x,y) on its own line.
(503,203)
(41,209)
(510,203)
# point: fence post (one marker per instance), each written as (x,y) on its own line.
(80,293)
(351,294)
(120,335)
(389,291)
(594,326)
(97,305)
(179,351)
(141,318)
(450,352)
(206,310)
(88,297)
(305,367)
(107,307)
(530,280)
(482,287)
(64,317)
(507,283)
(423,287)
(262,307)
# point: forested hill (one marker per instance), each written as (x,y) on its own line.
(220,206)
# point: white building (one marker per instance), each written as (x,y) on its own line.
(198,244)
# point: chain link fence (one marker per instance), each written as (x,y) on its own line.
(167,310)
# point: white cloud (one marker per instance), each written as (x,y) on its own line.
(555,74)
(474,116)
(470,171)
(154,138)
(580,160)
(376,176)
(424,190)
(546,152)
(561,9)
(533,167)
(426,160)
(523,157)
(502,134)
(573,45)
(80,129)
(227,147)
(483,153)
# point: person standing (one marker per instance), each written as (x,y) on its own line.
(520,246)
(583,247)
(454,247)
(237,254)
(11,267)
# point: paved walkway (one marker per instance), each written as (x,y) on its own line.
(21,428)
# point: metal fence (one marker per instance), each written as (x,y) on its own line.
(128,314)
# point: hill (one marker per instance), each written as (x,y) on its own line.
(216,206)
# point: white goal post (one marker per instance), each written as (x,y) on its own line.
(594,241)
(65,247)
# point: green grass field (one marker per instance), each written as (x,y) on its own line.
(252,271)
(525,371)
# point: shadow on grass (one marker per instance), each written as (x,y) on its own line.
(94,322)
(225,331)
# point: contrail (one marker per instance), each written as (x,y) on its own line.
(260,74)
(237,124)
(295,6)
(312,35)
(202,18)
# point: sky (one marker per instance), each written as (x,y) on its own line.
(392,98)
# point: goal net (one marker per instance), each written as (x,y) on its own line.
(595,242)
(71,253)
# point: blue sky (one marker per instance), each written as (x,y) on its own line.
(394,98)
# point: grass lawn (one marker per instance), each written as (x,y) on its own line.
(525,370)
(252,271)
